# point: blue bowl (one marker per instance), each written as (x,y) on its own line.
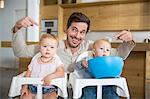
(105,66)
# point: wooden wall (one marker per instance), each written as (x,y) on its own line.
(49,12)
(134,71)
(103,16)
(23,64)
(134,16)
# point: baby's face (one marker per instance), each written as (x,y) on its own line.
(48,47)
(102,48)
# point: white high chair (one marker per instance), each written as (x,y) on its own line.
(20,80)
(78,83)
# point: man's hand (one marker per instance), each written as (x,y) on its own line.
(124,35)
(24,22)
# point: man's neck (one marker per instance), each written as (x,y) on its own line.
(73,50)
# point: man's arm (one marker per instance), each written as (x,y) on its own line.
(123,50)
(20,48)
(128,44)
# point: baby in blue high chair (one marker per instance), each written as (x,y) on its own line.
(46,65)
(101,47)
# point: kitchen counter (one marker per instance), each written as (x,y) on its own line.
(138,46)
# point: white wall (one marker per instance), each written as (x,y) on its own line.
(8,18)
(1,14)
(12,12)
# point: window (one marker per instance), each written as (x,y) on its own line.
(1,3)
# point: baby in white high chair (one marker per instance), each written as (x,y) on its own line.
(46,65)
(101,47)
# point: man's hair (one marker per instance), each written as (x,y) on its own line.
(78,17)
(51,36)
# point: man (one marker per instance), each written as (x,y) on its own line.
(77,27)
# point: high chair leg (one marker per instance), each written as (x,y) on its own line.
(128,98)
(39,92)
(99,92)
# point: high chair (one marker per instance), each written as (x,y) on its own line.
(78,83)
(20,80)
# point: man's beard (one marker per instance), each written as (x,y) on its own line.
(72,46)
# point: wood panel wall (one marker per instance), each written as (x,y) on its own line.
(23,64)
(49,12)
(134,71)
(134,16)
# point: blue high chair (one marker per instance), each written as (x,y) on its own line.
(101,79)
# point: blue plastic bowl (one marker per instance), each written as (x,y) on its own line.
(105,66)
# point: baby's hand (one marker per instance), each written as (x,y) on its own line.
(47,80)
(84,63)
(24,90)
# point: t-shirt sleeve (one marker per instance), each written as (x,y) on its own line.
(58,61)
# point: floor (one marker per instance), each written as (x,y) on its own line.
(5,80)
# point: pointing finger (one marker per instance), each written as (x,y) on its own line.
(32,21)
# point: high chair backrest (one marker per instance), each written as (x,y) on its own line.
(84,55)
(80,58)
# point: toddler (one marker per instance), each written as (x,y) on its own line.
(101,47)
(46,65)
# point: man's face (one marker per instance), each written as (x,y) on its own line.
(76,34)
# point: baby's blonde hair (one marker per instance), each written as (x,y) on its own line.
(100,40)
(51,36)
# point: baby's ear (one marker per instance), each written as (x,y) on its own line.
(93,55)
